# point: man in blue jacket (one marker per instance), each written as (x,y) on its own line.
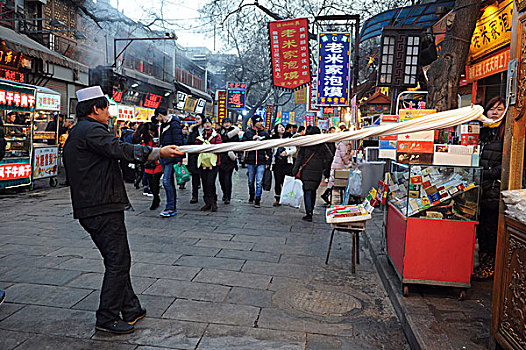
(171,133)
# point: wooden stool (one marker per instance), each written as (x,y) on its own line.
(354,228)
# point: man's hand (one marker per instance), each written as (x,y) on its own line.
(170,152)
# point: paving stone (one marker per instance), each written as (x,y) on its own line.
(69,252)
(26,249)
(155,258)
(43,342)
(45,295)
(91,280)
(195,250)
(248,255)
(18,260)
(8,309)
(10,340)
(85,265)
(259,239)
(211,262)
(207,235)
(164,271)
(219,337)
(188,290)
(278,269)
(202,311)
(224,244)
(62,322)
(40,276)
(250,296)
(162,333)
(232,278)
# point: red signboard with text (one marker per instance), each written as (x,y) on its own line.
(289,45)
(15,171)
(494,64)
(221,105)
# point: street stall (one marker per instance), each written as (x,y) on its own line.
(46,133)
(17,104)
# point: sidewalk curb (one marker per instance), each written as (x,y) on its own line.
(408,326)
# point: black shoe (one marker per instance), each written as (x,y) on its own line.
(227,201)
(116,327)
(251,199)
(307,217)
(326,196)
(155,203)
(193,200)
(137,317)
(257,202)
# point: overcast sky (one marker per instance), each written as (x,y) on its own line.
(182,14)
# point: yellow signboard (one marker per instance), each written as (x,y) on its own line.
(493,29)
(300,96)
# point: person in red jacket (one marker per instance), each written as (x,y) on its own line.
(208,164)
(153,169)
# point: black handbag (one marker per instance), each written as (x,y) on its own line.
(267,180)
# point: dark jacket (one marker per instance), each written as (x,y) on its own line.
(312,172)
(3,142)
(230,135)
(91,155)
(491,163)
(257,157)
(192,157)
(172,134)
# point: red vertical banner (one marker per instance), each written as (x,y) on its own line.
(221,105)
(268,116)
(289,48)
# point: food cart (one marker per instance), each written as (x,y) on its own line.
(46,126)
(17,105)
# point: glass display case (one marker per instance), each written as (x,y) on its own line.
(17,128)
(435,191)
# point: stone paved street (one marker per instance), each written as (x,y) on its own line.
(241,278)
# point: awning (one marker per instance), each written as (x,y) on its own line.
(192,91)
(29,47)
(422,15)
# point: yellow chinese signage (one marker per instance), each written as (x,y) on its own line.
(493,29)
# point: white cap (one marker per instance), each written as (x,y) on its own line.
(89,93)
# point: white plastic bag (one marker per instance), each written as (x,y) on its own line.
(356,183)
(292,192)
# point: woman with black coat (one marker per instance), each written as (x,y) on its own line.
(192,157)
(229,133)
(311,164)
(491,139)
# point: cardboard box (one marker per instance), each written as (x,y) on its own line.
(341,174)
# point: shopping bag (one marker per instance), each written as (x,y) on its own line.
(355,180)
(292,192)
(267,180)
(181,173)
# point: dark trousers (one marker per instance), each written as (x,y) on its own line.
(108,232)
(196,178)
(225,180)
(154,183)
(208,179)
(280,171)
(488,226)
(309,198)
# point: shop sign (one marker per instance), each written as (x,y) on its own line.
(200,106)
(268,116)
(311,120)
(181,100)
(285,118)
(313,96)
(17,98)
(12,75)
(15,171)
(116,95)
(236,85)
(495,64)
(235,98)
(190,104)
(152,100)
(416,147)
(289,47)
(413,104)
(292,117)
(221,105)
(143,114)
(493,29)
(300,96)
(125,112)
(333,69)
(10,58)
(323,124)
(47,102)
(45,162)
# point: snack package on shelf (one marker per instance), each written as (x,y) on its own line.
(347,213)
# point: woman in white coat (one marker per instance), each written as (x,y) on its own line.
(281,161)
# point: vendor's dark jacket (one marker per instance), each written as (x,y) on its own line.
(257,157)
(228,164)
(91,155)
(192,157)
(172,134)
(311,174)
(491,163)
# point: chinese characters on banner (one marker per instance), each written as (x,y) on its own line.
(496,63)
(235,95)
(333,69)
(9,58)
(221,105)
(493,29)
(125,113)
(152,100)
(285,118)
(17,98)
(289,46)
(14,171)
(311,120)
(46,162)
(48,102)
(313,96)
(12,75)
(268,116)
(413,104)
